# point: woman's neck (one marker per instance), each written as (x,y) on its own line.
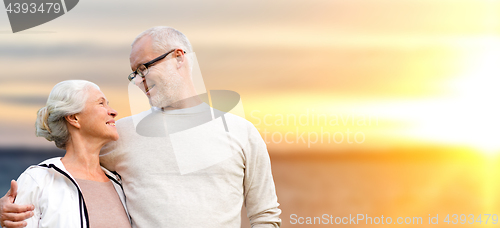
(82,160)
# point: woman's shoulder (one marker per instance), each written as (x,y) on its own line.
(54,197)
(42,170)
(32,182)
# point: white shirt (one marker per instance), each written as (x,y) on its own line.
(55,195)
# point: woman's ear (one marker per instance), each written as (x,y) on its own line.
(73,120)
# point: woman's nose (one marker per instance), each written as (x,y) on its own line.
(112,112)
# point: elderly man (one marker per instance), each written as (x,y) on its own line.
(181,167)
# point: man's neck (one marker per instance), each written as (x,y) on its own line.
(186,103)
(187,99)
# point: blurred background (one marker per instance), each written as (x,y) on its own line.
(375,107)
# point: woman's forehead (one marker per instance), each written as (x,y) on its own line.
(95,94)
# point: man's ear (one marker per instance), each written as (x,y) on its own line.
(181,58)
(73,120)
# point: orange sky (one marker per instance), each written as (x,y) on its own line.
(425,69)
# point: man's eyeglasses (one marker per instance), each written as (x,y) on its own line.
(142,70)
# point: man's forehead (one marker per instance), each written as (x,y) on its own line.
(139,55)
(142,51)
(141,46)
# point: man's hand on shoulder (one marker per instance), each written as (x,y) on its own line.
(13,215)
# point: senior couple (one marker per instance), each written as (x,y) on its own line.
(183,175)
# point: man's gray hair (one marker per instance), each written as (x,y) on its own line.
(65,99)
(165,38)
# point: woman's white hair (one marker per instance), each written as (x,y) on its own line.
(65,99)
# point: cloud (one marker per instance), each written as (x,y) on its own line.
(24,100)
(60,50)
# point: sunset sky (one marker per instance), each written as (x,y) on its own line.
(424,72)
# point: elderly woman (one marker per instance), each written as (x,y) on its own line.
(74,191)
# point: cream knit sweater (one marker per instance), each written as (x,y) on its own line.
(181,169)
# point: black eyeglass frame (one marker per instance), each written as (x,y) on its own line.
(134,74)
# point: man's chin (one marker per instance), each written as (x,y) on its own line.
(154,104)
(158,102)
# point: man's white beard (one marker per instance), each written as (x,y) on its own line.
(167,90)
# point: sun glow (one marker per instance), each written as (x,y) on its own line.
(480,95)
(470,114)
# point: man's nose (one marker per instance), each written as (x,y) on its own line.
(138,80)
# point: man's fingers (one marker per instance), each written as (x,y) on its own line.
(13,189)
(13,215)
(16,217)
(10,224)
(16,208)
